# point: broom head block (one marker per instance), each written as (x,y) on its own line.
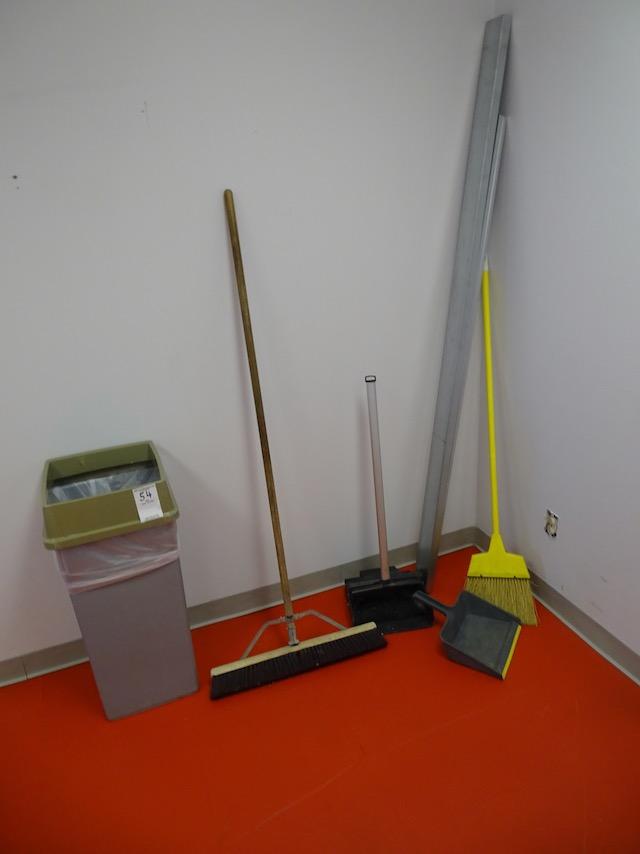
(498,563)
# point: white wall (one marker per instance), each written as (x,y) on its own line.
(566,258)
(342,128)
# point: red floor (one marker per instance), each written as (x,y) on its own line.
(397,751)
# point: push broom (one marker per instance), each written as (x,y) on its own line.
(498,576)
(251,671)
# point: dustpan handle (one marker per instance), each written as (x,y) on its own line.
(423,599)
(376,457)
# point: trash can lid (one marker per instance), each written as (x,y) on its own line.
(104,493)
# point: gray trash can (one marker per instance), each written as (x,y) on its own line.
(111,518)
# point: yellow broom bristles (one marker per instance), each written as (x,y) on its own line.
(511,594)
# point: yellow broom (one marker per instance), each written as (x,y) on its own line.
(498,576)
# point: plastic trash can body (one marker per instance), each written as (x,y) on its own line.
(138,641)
(123,575)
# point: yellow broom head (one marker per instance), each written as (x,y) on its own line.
(503,579)
(498,562)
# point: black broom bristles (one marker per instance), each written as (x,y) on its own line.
(288,661)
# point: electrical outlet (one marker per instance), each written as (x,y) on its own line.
(551,524)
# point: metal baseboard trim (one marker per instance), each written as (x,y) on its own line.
(315,582)
(54,658)
(11,671)
(69,654)
(462,538)
(302,585)
(591,632)
(58,657)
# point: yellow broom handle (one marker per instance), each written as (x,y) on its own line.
(491,421)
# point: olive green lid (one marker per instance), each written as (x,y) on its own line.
(74,521)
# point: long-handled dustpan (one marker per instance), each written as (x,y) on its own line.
(385,594)
(252,671)
(476,633)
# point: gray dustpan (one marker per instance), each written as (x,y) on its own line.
(476,633)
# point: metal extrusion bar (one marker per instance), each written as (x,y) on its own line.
(491,194)
(465,287)
(493,183)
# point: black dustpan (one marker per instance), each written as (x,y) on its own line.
(388,602)
(476,633)
(384,595)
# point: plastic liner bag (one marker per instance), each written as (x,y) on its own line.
(116,559)
(103,483)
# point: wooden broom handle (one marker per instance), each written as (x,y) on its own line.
(257,399)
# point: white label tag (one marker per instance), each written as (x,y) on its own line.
(147,502)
